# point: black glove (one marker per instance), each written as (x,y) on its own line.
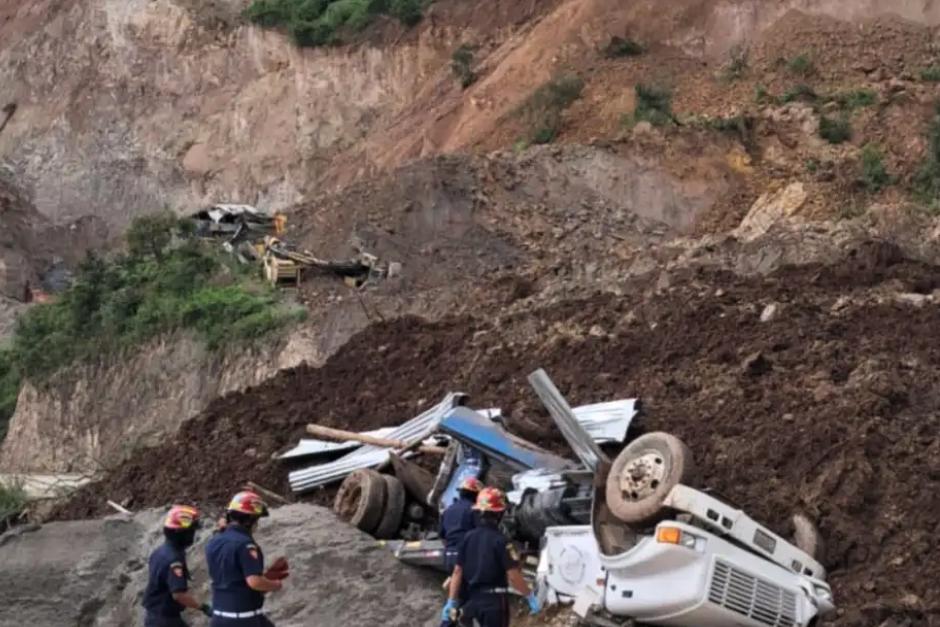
(206,609)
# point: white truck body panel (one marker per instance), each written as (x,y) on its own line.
(570,561)
(714,584)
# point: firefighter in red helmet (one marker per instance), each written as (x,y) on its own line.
(236,566)
(487,565)
(167,593)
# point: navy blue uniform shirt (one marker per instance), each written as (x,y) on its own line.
(456,521)
(168,574)
(484,558)
(233,556)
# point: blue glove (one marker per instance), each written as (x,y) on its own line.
(535,606)
(206,609)
(449,607)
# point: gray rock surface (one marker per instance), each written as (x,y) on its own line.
(92,574)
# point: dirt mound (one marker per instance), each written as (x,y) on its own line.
(98,570)
(840,421)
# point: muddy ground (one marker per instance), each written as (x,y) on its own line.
(830,406)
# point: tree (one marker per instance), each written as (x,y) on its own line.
(150,235)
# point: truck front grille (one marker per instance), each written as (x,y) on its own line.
(750,596)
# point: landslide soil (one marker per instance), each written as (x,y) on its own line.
(831,407)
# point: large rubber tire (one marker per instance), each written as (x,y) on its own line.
(643,474)
(394,509)
(361,500)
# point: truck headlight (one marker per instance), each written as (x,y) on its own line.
(674,535)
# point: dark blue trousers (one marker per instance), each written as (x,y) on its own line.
(485,610)
(155,620)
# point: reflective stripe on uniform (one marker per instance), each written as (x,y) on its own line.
(251,614)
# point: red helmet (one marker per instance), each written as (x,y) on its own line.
(248,503)
(491,500)
(471,484)
(181,517)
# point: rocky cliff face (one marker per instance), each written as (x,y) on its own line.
(129,105)
(94,415)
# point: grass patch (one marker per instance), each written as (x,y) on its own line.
(461,64)
(166,282)
(761,95)
(9,389)
(855,99)
(321,22)
(930,74)
(835,130)
(623,47)
(653,105)
(801,93)
(874,175)
(927,178)
(801,65)
(543,110)
(12,502)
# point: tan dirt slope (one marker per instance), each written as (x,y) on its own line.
(127,106)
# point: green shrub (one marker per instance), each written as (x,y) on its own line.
(12,502)
(801,92)
(270,13)
(163,284)
(855,99)
(653,105)
(9,389)
(874,175)
(801,65)
(622,47)
(543,109)
(930,74)
(407,11)
(761,95)
(319,22)
(835,130)
(461,64)
(927,178)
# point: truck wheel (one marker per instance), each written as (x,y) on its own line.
(643,474)
(394,508)
(361,499)
(806,537)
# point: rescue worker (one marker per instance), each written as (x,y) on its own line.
(167,593)
(458,519)
(236,566)
(487,565)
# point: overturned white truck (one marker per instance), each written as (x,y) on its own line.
(663,553)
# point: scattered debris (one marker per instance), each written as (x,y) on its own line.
(312,448)
(413,431)
(236,223)
(285,263)
(119,508)
(770,312)
(268,494)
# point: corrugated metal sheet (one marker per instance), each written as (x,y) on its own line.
(369,456)
(578,438)
(309,447)
(607,422)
